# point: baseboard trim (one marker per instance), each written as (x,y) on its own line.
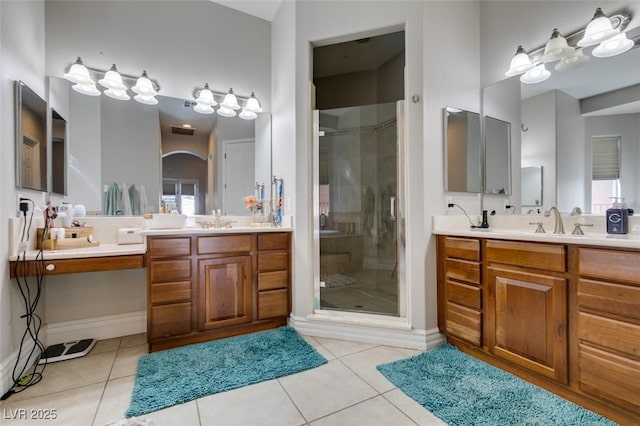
(411,338)
(7,365)
(99,328)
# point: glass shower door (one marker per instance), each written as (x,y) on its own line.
(358,153)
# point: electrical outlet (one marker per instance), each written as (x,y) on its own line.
(448,200)
(18,196)
(506,203)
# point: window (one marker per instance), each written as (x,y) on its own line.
(605,175)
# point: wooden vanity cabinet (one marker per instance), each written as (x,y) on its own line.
(564,317)
(461,289)
(608,325)
(207,287)
(527,310)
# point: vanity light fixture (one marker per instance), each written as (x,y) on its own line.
(205,101)
(556,48)
(89,89)
(576,59)
(520,63)
(145,91)
(598,30)
(608,32)
(78,73)
(535,75)
(616,45)
(253,104)
(230,101)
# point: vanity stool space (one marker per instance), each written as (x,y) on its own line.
(563,316)
(204,286)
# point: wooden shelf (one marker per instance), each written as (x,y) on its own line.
(77,265)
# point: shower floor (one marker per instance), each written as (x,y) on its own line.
(371,291)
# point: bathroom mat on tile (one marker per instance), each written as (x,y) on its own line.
(463,390)
(186,373)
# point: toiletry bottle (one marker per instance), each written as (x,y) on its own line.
(485,221)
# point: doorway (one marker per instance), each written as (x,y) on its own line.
(238,170)
(358,169)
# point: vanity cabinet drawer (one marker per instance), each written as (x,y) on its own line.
(169,270)
(464,323)
(610,377)
(619,336)
(463,270)
(274,303)
(170,292)
(465,295)
(170,320)
(462,248)
(617,299)
(550,257)
(273,241)
(273,280)
(169,247)
(273,261)
(224,244)
(615,265)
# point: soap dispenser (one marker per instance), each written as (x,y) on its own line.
(485,220)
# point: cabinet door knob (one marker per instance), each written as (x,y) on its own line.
(51,267)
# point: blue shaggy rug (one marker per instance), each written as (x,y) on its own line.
(462,390)
(183,374)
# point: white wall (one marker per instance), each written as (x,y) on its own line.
(571,161)
(22,53)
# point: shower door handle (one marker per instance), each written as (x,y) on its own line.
(392,214)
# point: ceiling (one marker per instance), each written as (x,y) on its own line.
(263,9)
(173,112)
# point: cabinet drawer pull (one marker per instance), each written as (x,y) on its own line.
(50,267)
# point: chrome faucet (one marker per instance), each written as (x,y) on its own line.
(559,227)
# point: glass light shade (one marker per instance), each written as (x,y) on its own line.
(121,95)
(519,63)
(205,97)
(230,101)
(616,45)
(598,30)
(226,112)
(147,100)
(556,48)
(576,59)
(247,115)
(86,89)
(252,104)
(535,75)
(78,73)
(144,86)
(112,80)
(203,109)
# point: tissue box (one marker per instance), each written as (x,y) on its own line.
(130,236)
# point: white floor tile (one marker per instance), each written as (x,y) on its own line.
(115,401)
(326,389)
(134,340)
(126,362)
(75,407)
(102,346)
(261,404)
(318,347)
(411,408)
(377,411)
(364,365)
(184,415)
(343,347)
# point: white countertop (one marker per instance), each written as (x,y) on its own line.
(103,250)
(213,231)
(522,228)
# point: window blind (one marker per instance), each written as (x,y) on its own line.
(605,158)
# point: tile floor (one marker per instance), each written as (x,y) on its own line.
(348,390)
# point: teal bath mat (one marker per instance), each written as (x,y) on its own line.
(183,374)
(462,390)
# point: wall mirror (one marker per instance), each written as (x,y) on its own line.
(497,156)
(462,151)
(176,155)
(562,115)
(531,179)
(31,139)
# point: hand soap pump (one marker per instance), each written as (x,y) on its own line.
(485,221)
(617,218)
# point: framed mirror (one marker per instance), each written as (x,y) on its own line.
(531,179)
(462,153)
(497,156)
(31,139)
